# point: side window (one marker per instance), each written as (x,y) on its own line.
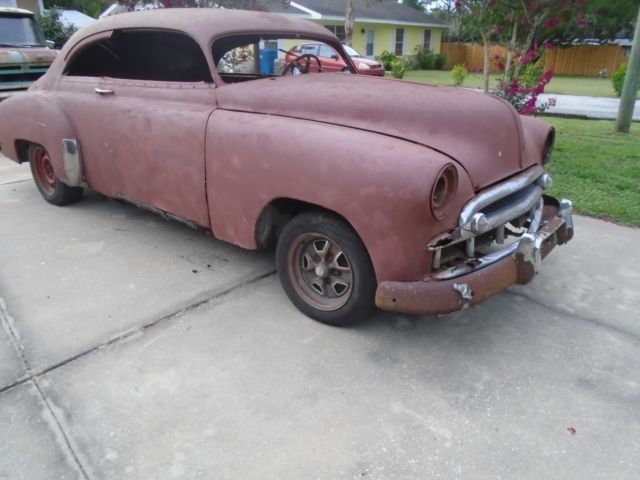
(310,49)
(242,60)
(327,51)
(142,55)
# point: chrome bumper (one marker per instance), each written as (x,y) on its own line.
(489,213)
(479,278)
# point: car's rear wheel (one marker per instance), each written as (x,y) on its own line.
(346,71)
(325,269)
(49,186)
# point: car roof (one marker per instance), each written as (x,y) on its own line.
(205,23)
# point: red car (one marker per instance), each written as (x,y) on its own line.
(426,200)
(330,61)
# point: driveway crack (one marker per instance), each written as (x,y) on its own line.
(567,313)
(8,326)
(33,376)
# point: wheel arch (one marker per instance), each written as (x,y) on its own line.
(35,118)
(279,211)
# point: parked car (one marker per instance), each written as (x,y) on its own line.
(331,61)
(24,53)
(419,199)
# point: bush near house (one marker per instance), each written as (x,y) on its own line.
(430,61)
(399,67)
(459,73)
(387,59)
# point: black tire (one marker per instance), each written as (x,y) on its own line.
(325,298)
(50,187)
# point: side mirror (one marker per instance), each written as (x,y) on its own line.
(334,56)
(50,43)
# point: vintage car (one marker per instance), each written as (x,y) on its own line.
(415,198)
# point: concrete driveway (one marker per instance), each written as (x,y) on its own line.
(135,348)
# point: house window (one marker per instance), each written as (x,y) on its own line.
(399,46)
(370,43)
(426,43)
(338,31)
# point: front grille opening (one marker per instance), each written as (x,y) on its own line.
(489,242)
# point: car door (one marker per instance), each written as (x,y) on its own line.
(331,61)
(140,101)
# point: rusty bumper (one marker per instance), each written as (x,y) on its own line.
(518,264)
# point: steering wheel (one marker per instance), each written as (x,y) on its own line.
(295,67)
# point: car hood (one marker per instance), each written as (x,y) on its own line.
(366,60)
(18,55)
(482,133)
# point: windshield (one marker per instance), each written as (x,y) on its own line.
(350,51)
(249,56)
(19,31)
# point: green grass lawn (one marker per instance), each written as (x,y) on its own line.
(597,169)
(589,86)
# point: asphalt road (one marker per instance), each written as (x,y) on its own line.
(588,107)
(131,347)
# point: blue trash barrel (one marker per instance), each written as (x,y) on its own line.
(267,61)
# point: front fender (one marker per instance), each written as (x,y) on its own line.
(379,184)
(35,117)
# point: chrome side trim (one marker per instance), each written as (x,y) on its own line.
(72,162)
(495,193)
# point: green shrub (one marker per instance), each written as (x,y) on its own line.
(425,60)
(440,61)
(53,29)
(398,68)
(387,59)
(459,73)
(531,73)
(618,79)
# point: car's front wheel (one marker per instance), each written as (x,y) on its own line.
(325,269)
(50,187)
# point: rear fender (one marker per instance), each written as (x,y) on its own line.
(34,117)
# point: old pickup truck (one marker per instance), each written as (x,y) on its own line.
(24,53)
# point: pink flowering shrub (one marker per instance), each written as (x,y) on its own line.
(525,97)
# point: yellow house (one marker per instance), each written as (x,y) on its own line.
(378,26)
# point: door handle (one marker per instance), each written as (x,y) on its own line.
(103,91)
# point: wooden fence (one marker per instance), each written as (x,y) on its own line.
(582,60)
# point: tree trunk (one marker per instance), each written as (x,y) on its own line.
(631,83)
(527,46)
(510,50)
(349,18)
(487,60)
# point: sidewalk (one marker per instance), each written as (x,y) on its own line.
(591,107)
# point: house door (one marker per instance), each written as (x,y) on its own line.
(369,50)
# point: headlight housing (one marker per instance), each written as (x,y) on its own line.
(548,146)
(363,66)
(444,191)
